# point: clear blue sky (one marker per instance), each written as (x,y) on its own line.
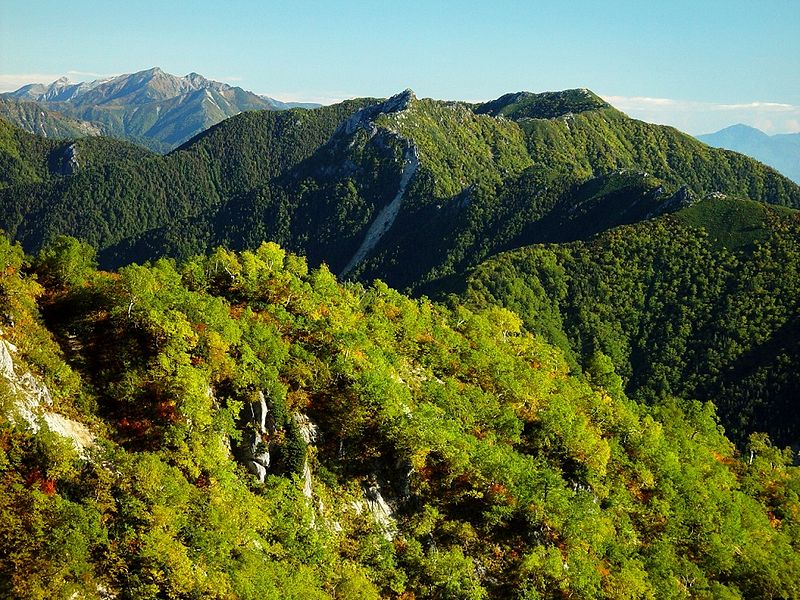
(674,58)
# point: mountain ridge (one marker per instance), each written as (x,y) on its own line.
(149,107)
(233,420)
(780,150)
(487,183)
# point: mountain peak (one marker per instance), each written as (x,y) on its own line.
(400,101)
(782,152)
(364,118)
(739,131)
(169,109)
(543,105)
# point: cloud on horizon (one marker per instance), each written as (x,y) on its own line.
(9,83)
(12,82)
(324,98)
(707,117)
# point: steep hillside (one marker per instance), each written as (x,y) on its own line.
(702,303)
(411,191)
(239,426)
(34,118)
(115,190)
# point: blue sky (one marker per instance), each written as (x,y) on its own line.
(697,65)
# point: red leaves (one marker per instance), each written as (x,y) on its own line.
(167,411)
(134,426)
(36,477)
(48,486)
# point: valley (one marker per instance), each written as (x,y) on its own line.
(393,348)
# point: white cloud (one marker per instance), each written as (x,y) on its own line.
(83,74)
(12,82)
(638,101)
(793,125)
(9,83)
(765,106)
(704,117)
(321,98)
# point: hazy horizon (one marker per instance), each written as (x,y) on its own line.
(699,66)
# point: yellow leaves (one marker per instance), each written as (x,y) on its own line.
(297,400)
(322,311)
(725,460)
(419,458)
(425,338)
(217,348)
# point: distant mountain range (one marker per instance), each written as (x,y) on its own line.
(153,108)
(401,448)
(780,151)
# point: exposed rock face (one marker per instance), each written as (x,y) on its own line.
(680,199)
(379,509)
(31,398)
(308,429)
(307,480)
(256,427)
(65,161)
(384,220)
(6,362)
(71,159)
(309,432)
(364,118)
(257,423)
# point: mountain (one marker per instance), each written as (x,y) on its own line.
(780,151)
(417,192)
(409,190)
(278,104)
(153,108)
(241,426)
(588,413)
(701,303)
(34,118)
(106,190)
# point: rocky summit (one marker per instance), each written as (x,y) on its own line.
(151,107)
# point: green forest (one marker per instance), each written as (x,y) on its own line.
(417,451)
(405,348)
(702,303)
(519,170)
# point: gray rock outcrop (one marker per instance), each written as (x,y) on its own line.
(31,399)
(256,429)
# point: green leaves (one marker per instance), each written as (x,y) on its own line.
(413,448)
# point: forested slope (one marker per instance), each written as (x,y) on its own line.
(406,450)
(460,183)
(702,303)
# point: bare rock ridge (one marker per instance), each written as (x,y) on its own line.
(32,400)
(383,221)
(364,118)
